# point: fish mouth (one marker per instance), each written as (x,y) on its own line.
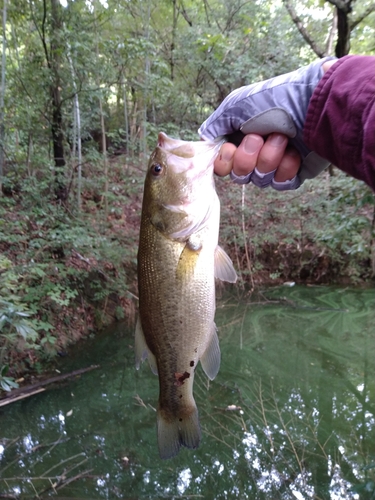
(196,195)
(185,156)
(175,146)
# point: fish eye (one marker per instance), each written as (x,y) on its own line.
(156,169)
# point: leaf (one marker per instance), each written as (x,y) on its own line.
(5,386)
(3,320)
(8,383)
(22,314)
(13,384)
(42,325)
(4,370)
(26,331)
(37,271)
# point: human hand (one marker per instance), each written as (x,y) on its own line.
(265,162)
(277,108)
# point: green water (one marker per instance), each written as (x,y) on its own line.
(291,414)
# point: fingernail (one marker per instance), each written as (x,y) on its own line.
(252,143)
(276,139)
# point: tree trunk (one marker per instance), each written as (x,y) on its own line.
(332,35)
(61,191)
(126,117)
(29,154)
(343,31)
(105,157)
(173,44)
(103,141)
(2,115)
(344,26)
(143,138)
(77,141)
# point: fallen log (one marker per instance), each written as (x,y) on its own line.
(31,390)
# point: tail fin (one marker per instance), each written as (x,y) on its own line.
(172,434)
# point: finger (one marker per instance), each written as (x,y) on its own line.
(224,161)
(246,156)
(289,165)
(328,64)
(272,153)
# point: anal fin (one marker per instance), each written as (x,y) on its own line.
(141,349)
(210,359)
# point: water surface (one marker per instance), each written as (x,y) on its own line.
(291,414)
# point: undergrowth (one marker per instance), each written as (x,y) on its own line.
(64,274)
(323,233)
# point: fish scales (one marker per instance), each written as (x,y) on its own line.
(176,280)
(186,318)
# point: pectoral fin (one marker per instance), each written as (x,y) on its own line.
(224,269)
(188,260)
(211,357)
(142,351)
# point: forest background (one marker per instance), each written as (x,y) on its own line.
(85,88)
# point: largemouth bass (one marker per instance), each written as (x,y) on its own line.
(178,260)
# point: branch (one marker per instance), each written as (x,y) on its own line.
(233,14)
(367,12)
(206,8)
(24,392)
(30,96)
(42,34)
(344,5)
(306,36)
(181,9)
(332,34)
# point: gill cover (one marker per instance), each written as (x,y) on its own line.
(182,193)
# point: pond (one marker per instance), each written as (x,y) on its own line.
(291,414)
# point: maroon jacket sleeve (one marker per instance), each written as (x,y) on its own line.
(340,122)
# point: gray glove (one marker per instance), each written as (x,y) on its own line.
(275,105)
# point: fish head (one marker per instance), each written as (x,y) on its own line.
(179,188)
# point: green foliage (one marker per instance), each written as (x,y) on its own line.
(169,64)
(321,233)
(153,66)
(17,331)
(60,272)
(12,318)
(6,383)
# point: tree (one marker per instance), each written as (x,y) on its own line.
(2,94)
(53,58)
(151,66)
(343,22)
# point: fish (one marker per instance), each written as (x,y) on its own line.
(178,261)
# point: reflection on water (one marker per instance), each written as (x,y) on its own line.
(291,414)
